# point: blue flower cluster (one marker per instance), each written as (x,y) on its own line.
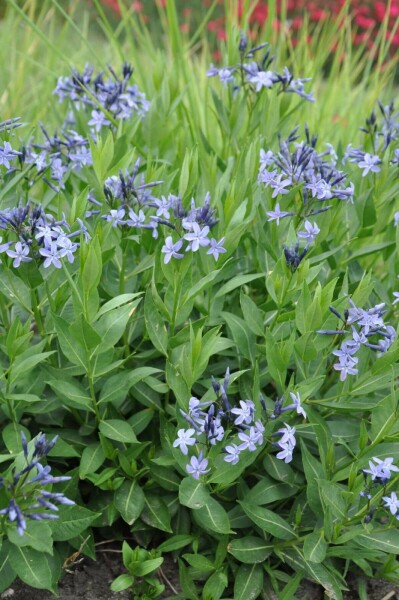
(132,204)
(9,124)
(380,134)
(38,236)
(299,167)
(54,159)
(7,153)
(367,329)
(26,493)
(105,97)
(214,422)
(366,161)
(379,473)
(257,75)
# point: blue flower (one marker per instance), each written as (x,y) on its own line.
(370,162)
(171,250)
(198,466)
(115,217)
(216,248)
(81,157)
(346,366)
(225,74)
(67,247)
(184,439)
(279,185)
(15,514)
(7,154)
(98,120)
(286,453)
(233,454)
(197,237)
(249,440)
(296,405)
(311,232)
(392,503)
(19,254)
(381,472)
(262,79)
(245,413)
(277,214)
(266,159)
(52,255)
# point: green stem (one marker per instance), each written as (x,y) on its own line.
(176,298)
(93,396)
(122,273)
(36,312)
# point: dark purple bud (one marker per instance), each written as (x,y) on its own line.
(336,313)
(24,444)
(262,402)
(226,379)
(331,331)
(215,385)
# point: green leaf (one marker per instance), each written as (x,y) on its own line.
(92,458)
(155,325)
(250,549)
(193,493)
(123,582)
(313,471)
(7,573)
(72,393)
(175,543)
(199,562)
(331,495)
(156,513)
(25,365)
(268,521)
(242,335)
(129,500)
(117,387)
(236,282)
(315,547)
(85,335)
(116,303)
(73,351)
(315,571)
(386,540)
(37,535)
(31,566)
(92,267)
(248,582)
(303,304)
(187,584)
(374,381)
(141,419)
(118,430)
(140,569)
(267,490)
(213,517)
(113,323)
(198,287)
(11,435)
(215,586)
(252,315)
(72,521)
(166,477)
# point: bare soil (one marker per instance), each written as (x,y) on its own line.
(91,580)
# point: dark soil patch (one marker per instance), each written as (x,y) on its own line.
(91,580)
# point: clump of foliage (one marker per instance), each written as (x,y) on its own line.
(199,281)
